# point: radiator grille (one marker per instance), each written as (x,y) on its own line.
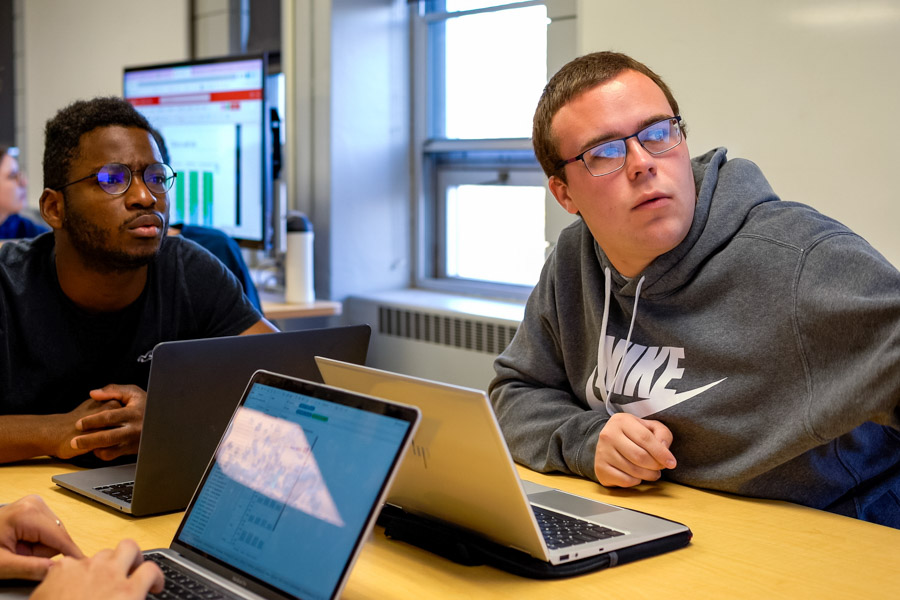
(470,334)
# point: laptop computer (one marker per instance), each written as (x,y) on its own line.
(291,493)
(193,389)
(459,471)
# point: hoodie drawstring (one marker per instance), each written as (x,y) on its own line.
(618,371)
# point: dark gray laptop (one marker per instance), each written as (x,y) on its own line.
(193,390)
(290,495)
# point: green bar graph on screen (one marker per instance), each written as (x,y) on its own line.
(207,198)
(178,216)
(193,205)
(193,198)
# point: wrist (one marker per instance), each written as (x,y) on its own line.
(56,435)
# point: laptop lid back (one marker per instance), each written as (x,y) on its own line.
(193,390)
(458,468)
(294,487)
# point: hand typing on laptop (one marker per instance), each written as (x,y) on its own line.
(30,535)
(116,430)
(119,574)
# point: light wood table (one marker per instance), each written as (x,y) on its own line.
(274,309)
(742,548)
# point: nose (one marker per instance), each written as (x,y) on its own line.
(637,160)
(139,195)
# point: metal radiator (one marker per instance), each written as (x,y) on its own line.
(435,336)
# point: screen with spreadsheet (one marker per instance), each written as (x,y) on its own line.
(292,485)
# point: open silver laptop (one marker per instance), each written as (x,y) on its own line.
(193,389)
(459,470)
(290,495)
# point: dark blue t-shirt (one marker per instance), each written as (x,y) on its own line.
(15,227)
(227,250)
(53,353)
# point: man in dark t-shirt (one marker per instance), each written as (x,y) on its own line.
(81,308)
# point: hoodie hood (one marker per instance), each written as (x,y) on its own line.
(715,223)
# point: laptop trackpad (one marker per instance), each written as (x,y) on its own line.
(567,503)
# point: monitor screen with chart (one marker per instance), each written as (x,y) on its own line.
(213,117)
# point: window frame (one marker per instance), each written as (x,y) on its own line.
(515,167)
(431,160)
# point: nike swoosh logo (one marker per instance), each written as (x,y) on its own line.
(645,408)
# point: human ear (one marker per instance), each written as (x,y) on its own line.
(53,208)
(560,191)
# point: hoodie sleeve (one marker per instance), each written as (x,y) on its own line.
(547,427)
(848,321)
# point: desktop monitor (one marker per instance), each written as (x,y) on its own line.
(214,116)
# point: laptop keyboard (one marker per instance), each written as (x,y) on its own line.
(181,583)
(122,491)
(562,531)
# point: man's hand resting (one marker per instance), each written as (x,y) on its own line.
(68,430)
(113,433)
(631,450)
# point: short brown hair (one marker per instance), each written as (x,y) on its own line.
(576,77)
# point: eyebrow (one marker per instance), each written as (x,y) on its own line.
(136,166)
(610,137)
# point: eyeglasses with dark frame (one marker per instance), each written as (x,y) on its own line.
(608,157)
(116,178)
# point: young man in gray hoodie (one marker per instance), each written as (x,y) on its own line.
(691,323)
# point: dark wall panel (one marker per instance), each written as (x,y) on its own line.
(7,74)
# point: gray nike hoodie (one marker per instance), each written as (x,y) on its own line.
(768,342)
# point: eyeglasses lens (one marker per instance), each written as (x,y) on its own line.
(605,158)
(114,178)
(660,137)
(159,178)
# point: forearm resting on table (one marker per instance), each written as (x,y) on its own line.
(27,436)
(546,429)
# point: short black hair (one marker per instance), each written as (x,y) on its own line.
(63,132)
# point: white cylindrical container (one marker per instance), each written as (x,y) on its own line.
(298,261)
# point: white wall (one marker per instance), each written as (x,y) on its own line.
(807,89)
(368,218)
(77,50)
(348,63)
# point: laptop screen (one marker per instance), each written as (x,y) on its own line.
(292,485)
